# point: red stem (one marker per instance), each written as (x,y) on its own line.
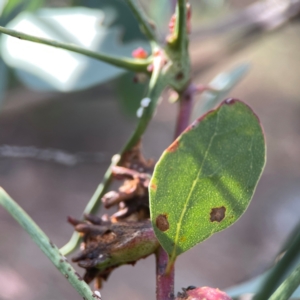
(164,282)
(185,108)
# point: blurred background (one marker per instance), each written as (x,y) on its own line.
(63,116)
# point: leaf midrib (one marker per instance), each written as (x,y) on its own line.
(178,227)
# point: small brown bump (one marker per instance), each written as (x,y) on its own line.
(51,244)
(79,277)
(69,269)
(153,186)
(179,76)
(67,276)
(61,260)
(162,222)
(173,147)
(217,214)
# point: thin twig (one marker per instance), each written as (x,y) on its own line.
(156,86)
(164,282)
(136,65)
(186,102)
(50,250)
(143,21)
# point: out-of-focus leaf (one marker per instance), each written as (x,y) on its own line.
(29,5)
(122,17)
(46,68)
(253,286)
(161,12)
(130,93)
(4,79)
(223,83)
(205,180)
(12,8)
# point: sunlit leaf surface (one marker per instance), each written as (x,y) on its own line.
(205,180)
(47,68)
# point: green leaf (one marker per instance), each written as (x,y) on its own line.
(205,180)
(66,71)
(130,93)
(12,8)
(223,83)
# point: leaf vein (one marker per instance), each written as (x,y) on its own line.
(193,186)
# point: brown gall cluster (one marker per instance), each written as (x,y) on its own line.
(108,237)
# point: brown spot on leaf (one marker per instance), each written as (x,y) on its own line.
(217,214)
(183,239)
(162,222)
(173,147)
(153,186)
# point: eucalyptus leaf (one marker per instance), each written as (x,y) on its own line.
(13,7)
(160,12)
(254,285)
(48,68)
(223,83)
(122,17)
(205,179)
(4,80)
(130,92)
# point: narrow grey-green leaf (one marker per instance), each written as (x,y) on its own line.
(205,180)
(223,83)
(66,71)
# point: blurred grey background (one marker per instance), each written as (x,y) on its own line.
(55,147)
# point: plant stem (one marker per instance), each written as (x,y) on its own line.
(156,86)
(186,100)
(164,282)
(279,270)
(143,22)
(46,246)
(180,27)
(136,65)
(287,288)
